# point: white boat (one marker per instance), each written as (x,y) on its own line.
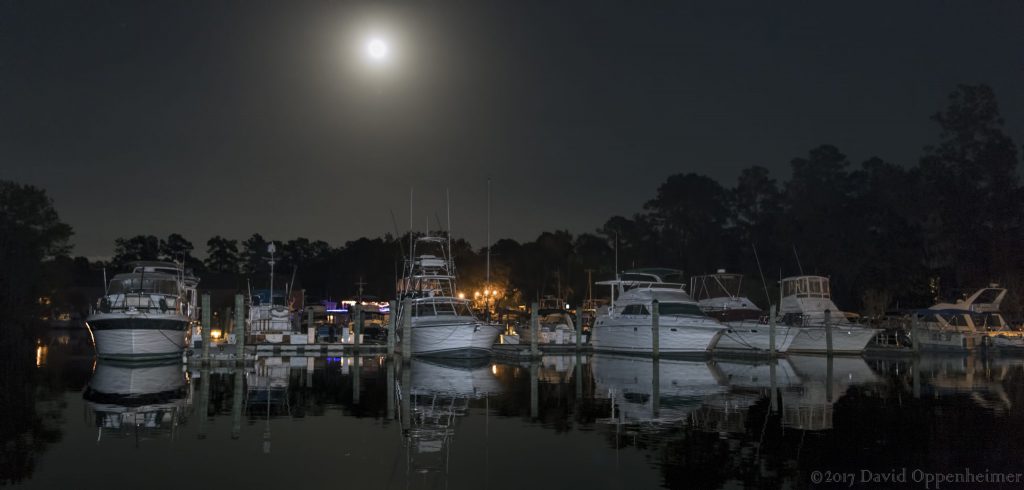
(442,324)
(270,315)
(805,301)
(719,295)
(964,325)
(145,314)
(626,326)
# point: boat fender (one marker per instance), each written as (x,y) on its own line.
(104,305)
(163,305)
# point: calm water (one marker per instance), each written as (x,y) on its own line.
(602,422)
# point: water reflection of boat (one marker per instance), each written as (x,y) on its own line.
(807,387)
(435,394)
(143,400)
(969,376)
(823,380)
(644,390)
(470,378)
(267,386)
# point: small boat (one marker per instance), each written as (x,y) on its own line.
(145,313)
(443,325)
(806,302)
(556,326)
(626,326)
(719,295)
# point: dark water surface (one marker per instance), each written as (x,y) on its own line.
(602,422)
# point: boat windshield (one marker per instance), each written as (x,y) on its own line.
(679,309)
(446,309)
(134,285)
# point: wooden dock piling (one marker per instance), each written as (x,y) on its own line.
(406,330)
(392,323)
(207,326)
(240,330)
(828,332)
(655,327)
(534,330)
(579,328)
(356,312)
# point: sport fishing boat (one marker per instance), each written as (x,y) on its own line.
(145,313)
(720,296)
(442,324)
(805,303)
(626,326)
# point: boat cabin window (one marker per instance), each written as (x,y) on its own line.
(679,309)
(135,285)
(635,310)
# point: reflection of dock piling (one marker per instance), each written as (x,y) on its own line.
(534,403)
(236,403)
(204,395)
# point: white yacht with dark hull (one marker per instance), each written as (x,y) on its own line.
(145,314)
(442,324)
(805,301)
(626,326)
(719,295)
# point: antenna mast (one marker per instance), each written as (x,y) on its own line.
(487,282)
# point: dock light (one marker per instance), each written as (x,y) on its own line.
(216,334)
(462,295)
(476,294)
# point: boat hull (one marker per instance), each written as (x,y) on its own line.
(675,336)
(755,337)
(937,340)
(845,340)
(453,337)
(138,337)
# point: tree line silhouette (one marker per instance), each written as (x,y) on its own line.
(889,235)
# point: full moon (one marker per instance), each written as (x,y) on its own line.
(377,49)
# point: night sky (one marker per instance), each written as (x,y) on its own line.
(230,118)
